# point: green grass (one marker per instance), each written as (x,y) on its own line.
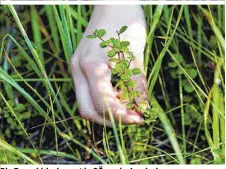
(184,65)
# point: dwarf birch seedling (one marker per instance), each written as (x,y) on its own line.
(122,69)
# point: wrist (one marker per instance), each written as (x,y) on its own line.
(118,11)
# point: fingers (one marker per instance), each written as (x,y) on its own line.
(86,106)
(141,88)
(119,110)
(141,82)
(98,77)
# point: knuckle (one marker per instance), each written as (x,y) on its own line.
(84,64)
(94,68)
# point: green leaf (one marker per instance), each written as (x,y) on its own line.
(104,44)
(119,83)
(172,64)
(114,71)
(192,72)
(131,58)
(107,42)
(26,115)
(119,67)
(149,121)
(111,53)
(143,104)
(187,86)
(187,98)
(124,44)
(139,108)
(7,132)
(10,120)
(139,148)
(91,36)
(124,49)
(129,105)
(187,119)
(125,64)
(11,103)
(148,110)
(213,41)
(133,94)
(125,77)
(136,71)
(13,125)
(131,83)
(145,161)
(130,53)
(101,32)
(114,60)
(179,71)
(196,160)
(188,89)
(123,29)
(124,95)
(179,57)
(115,42)
(128,72)
(123,87)
(20,107)
(173,74)
(6,114)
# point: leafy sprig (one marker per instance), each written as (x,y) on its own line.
(116,54)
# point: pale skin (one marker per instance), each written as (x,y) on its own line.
(92,71)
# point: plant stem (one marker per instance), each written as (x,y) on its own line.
(121,57)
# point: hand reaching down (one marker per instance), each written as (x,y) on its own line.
(92,71)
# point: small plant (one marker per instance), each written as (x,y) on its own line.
(122,69)
(12,124)
(7,157)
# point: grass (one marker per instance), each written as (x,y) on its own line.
(184,65)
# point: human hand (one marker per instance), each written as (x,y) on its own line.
(91,69)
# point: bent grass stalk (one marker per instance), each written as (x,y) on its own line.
(9,148)
(152,78)
(46,152)
(36,56)
(119,147)
(214,27)
(153,25)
